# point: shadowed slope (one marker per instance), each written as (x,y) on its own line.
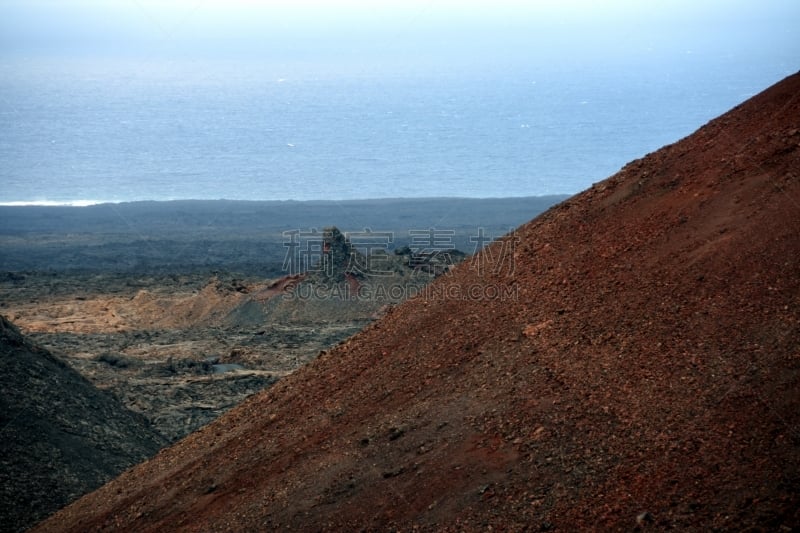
(638,359)
(60,437)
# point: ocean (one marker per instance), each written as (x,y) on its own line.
(76,132)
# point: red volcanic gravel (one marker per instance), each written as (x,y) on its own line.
(629,360)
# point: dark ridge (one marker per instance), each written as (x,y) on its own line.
(60,437)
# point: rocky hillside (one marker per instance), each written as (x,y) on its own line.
(60,437)
(627,360)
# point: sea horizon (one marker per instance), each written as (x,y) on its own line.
(82,133)
(92,203)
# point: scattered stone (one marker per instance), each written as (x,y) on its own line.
(533,330)
(228,367)
(393,473)
(644,518)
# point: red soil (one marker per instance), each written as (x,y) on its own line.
(642,372)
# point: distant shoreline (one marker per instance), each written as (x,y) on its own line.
(239,235)
(93,203)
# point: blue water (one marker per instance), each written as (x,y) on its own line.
(125,131)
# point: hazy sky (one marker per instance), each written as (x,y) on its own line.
(412,30)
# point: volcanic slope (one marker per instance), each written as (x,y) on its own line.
(60,437)
(637,365)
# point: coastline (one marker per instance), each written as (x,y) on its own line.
(234,235)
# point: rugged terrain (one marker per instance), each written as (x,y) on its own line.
(182,349)
(160,344)
(138,298)
(630,359)
(60,437)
